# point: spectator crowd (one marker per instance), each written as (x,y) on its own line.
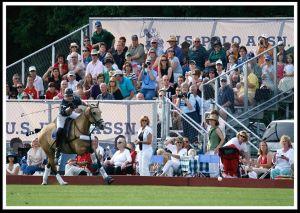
(110,70)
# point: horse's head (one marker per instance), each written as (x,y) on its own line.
(94,114)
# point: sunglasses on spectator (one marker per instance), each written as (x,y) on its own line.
(144,120)
(197,41)
(19,87)
(178,142)
(185,141)
(84,50)
(243,136)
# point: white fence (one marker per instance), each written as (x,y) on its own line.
(120,117)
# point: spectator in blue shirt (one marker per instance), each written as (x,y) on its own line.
(148,78)
(125,85)
(178,51)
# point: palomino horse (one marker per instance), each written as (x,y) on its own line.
(80,126)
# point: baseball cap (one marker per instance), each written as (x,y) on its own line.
(32,68)
(268,58)
(71,73)
(73,44)
(219,62)
(94,52)
(264,36)
(98,23)
(153,40)
(134,37)
(192,62)
(223,78)
(118,72)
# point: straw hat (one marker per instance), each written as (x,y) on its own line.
(172,38)
(212,117)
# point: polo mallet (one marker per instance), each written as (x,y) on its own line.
(33,132)
(44,110)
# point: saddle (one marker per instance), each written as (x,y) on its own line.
(66,130)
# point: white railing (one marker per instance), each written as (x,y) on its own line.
(45,57)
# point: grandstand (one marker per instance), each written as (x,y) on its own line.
(251,111)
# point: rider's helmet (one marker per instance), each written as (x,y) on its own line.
(68,92)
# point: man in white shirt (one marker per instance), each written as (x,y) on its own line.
(37,81)
(72,83)
(95,67)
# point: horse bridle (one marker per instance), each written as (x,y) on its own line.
(97,123)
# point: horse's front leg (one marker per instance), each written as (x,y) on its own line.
(57,175)
(46,174)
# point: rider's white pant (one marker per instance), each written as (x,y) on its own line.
(60,122)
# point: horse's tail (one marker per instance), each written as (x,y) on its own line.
(33,132)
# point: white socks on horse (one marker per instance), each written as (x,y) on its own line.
(60,180)
(46,175)
(103,172)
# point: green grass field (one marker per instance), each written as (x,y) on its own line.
(116,195)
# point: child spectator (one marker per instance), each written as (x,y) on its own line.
(51,91)
(30,89)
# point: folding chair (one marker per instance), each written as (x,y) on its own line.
(204,161)
(156,164)
(184,166)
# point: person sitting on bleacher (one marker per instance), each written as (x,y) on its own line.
(283,159)
(264,160)
(172,166)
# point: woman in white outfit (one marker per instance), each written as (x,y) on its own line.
(12,165)
(283,158)
(144,143)
(173,164)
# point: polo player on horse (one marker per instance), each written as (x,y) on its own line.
(67,108)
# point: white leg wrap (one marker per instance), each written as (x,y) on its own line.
(60,180)
(46,174)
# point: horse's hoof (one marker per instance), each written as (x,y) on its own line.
(64,183)
(108,180)
(44,183)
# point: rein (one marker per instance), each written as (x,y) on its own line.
(89,134)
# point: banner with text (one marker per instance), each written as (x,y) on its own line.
(119,118)
(243,31)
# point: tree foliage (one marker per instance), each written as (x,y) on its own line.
(30,28)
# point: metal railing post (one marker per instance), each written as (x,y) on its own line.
(245,71)
(275,68)
(163,122)
(53,54)
(154,125)
(23,72)
(128,121)
(81,41)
